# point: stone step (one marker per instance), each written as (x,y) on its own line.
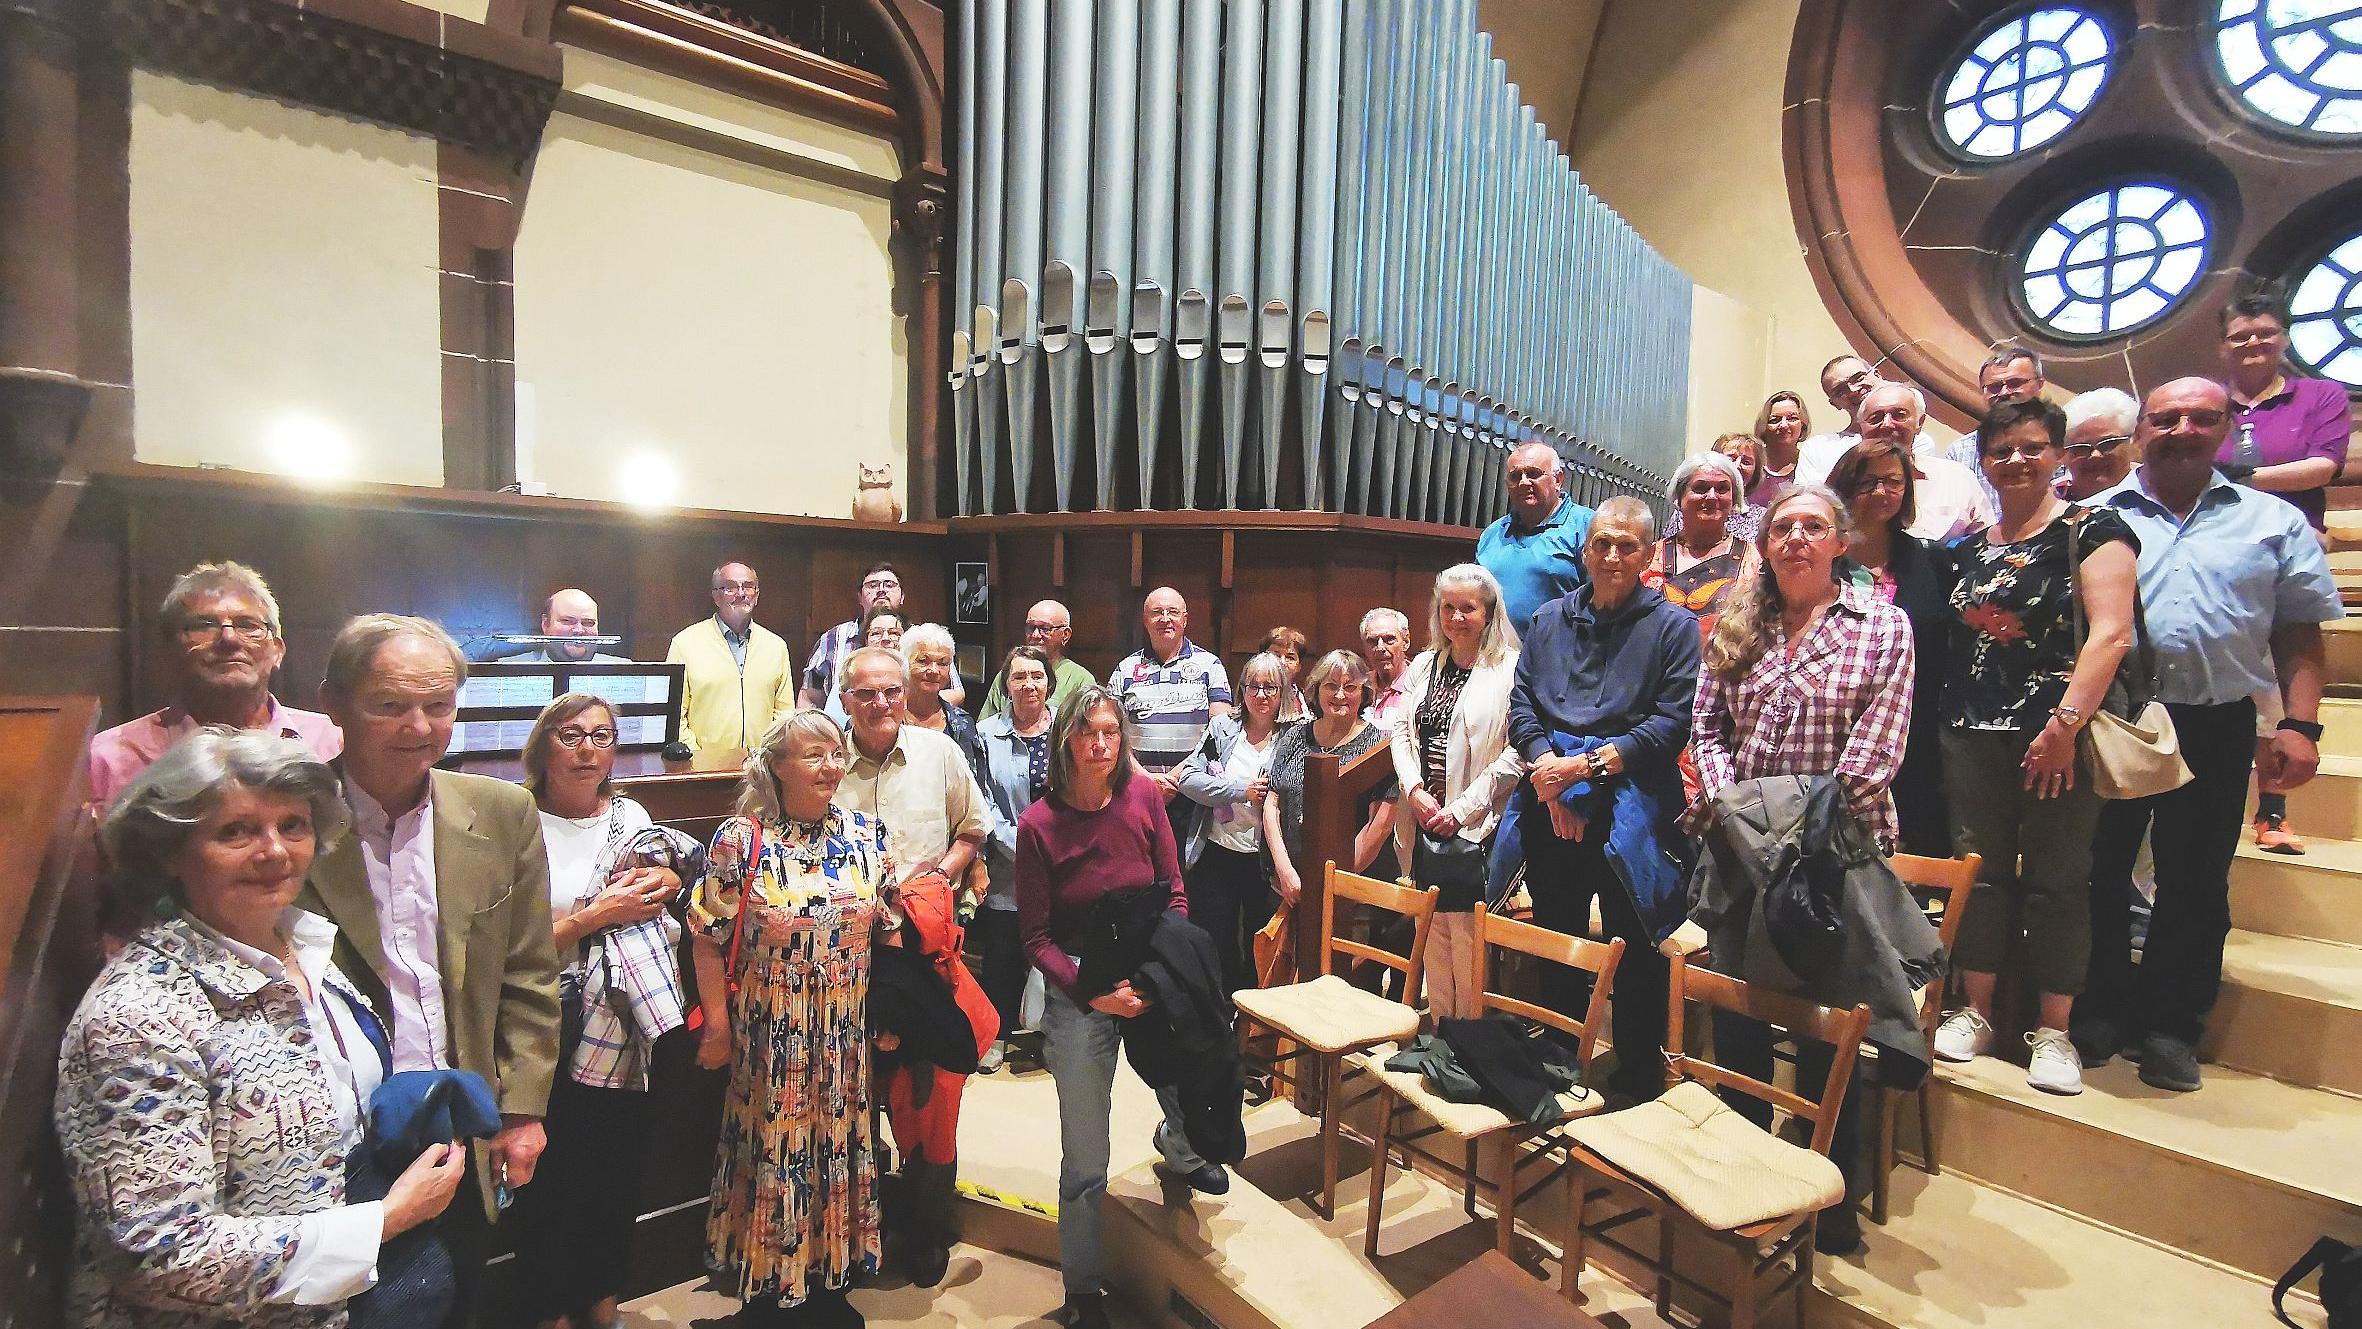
(2290,1009)
(2343,640)
(2341,726)
(2246,1172)
(2328,806)
(2317,897)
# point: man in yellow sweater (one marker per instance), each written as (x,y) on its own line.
(738,675)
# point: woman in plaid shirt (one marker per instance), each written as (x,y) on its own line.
(1806,673)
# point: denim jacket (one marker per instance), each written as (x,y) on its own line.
(1006,772)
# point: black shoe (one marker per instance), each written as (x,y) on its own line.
(1084,1312)
(830,1308)
(2096,1041)
(929,1263)
(1839,1231)
(2169,1063)
(1211,1179)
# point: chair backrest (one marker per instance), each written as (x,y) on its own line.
(1941,886)
(1843,1030)
(1497,932)
(1416,905)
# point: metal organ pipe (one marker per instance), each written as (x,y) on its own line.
(1107,306)
(1152,255)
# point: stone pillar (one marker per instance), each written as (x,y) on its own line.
(42,394)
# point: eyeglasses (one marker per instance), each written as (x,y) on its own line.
(1043,628)
(1805,528)
(872,696)
(2005,451)
(2167,421)
(1265,689)
(199,631)
(1888,484)
(571,738)
(2105,447)
(738,587)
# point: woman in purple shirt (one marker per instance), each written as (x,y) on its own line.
(2288,437)
(1099,832)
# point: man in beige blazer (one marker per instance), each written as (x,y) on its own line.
(440,895)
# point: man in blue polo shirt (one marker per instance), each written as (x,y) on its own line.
(1171,689)
(1536,550)
(2235,589)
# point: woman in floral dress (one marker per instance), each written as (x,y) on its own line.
(794,1217)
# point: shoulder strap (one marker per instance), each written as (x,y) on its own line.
(2136,674)
(2324,1251)
(746,888)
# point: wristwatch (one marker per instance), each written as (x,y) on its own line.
(2310,730)
(2068,716)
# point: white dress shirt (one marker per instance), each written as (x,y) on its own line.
(399,856)
(335,1249)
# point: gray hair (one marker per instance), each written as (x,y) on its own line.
(1402,620)
(1707,461)
(862,654)
(1499,642)
(933,636)
(1630,511)
(2007,354)
(216,579)
(1264,664)
(151,820)
(363,636)
(1349,663)
(758,787)
(2113,405)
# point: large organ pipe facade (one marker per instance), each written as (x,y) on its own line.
(1297,254)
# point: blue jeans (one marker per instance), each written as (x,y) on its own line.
(1080,1046)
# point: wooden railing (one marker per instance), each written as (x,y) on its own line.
(49,910)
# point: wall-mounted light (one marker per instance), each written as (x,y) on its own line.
(310,448)
(648,480)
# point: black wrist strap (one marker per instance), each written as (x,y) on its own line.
(2309,729)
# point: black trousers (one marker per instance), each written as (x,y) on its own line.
(1231,898)
(1003,979)
(1562,876)
(1745,1046)
(573,1225)
(2194,831)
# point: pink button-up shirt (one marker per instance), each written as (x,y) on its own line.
(399,856)
(119,755)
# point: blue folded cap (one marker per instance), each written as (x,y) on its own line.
(415,1109)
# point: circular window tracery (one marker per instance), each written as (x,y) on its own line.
(2297,63)
(2114,260)
(2325,315)
(2023,82)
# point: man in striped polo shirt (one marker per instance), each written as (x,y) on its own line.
(1170,688)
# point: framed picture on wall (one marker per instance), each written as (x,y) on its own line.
(972,593)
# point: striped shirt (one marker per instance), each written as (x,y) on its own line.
(1170,703)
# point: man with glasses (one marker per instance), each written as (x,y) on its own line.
(2100,450)
(918,783)
(1847,382)
(221,634)
(1535,549)
(1945,500)
(2235,588)
(738,674)
(1049,628)
(2010,373)
(824,670)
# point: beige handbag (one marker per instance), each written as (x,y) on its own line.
(2130,744)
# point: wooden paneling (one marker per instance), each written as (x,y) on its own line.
(48,931)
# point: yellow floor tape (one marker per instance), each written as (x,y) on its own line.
(1008,1201)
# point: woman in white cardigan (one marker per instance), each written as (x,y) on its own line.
(1452,755)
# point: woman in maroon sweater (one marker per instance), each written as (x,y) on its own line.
(1099,831)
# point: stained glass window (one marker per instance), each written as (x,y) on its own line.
(2325,315)
(2115,260)
(2023,82)
(2296,62)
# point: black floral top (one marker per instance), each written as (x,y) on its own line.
(2010,667)
(1434,721)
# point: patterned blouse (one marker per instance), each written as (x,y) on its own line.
(1702,586)
(2011,666)
(1433,723)
(1838,703)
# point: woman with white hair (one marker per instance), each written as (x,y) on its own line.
(2100,451)
(214,1081)
(927,651)
(1450,741)
(1698,562)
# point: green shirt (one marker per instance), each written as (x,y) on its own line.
(1067,679)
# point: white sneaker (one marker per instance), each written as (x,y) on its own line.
(2055,1068)
(1963,1035)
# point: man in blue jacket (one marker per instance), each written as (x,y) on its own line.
(1601,710)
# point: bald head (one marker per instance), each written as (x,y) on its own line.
(1050,627)
(570,613)
(1892,413)
(1165,617)
(2183,426)
(1535,483)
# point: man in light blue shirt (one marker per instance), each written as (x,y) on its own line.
(1536,550)
(2234,588)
